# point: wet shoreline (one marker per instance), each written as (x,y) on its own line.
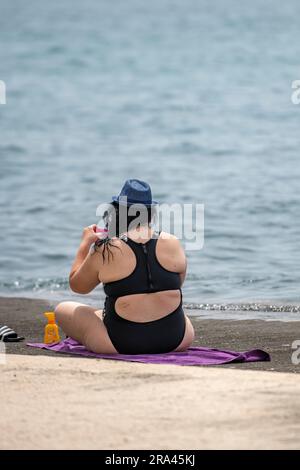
(275,337)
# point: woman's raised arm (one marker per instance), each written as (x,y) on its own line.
(84,274)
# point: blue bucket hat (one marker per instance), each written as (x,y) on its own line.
(135,192)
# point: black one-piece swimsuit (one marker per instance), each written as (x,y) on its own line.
(157,336)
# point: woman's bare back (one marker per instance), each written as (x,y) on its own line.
(146,306)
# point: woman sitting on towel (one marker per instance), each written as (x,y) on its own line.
(142,272)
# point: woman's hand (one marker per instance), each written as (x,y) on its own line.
(89,235)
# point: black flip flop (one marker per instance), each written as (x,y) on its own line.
(7,335)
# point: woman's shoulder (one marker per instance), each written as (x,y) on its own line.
(170,252)
(168,237)
(169,241)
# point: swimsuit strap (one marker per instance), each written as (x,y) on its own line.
(125,237)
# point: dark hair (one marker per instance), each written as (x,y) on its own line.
(119,219)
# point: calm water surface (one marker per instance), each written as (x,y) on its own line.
(194,97)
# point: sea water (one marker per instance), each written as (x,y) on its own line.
(193,97)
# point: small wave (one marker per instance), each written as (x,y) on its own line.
(251,307)
(35,210)
(34,285)
(223,152)
(12,148)
(55,256)
(55,49)
(256,280)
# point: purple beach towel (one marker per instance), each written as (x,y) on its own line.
(192,357)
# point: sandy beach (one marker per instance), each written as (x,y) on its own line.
(54,401)
(142,117)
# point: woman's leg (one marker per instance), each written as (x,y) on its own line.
(84,324)
(189,336)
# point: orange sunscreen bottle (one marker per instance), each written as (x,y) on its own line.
(51,329)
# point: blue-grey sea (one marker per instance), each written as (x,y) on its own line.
(192,96)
